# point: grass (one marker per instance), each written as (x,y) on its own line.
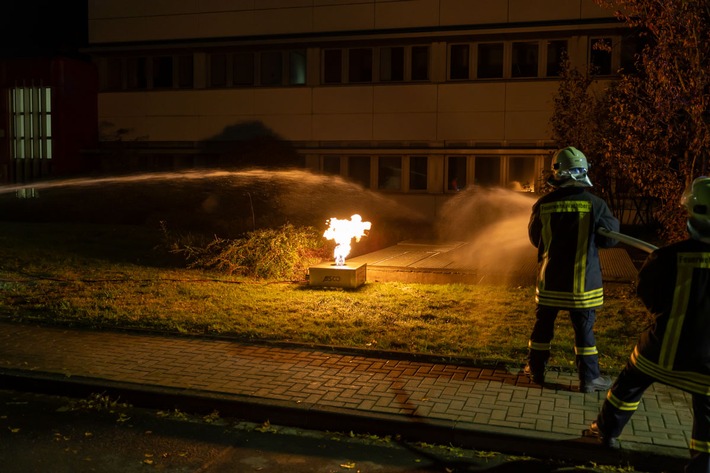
(114,276)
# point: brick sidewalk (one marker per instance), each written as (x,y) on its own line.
(449,402)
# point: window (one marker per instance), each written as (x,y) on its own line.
(218,70)
(267,68)
(456,173)
(420,63)
(243,69)
(418,172)
(186,72)
(359,170)
(332,66)
(389,173)
(156,72)
(297,67)
(136,73)
(331,165)
(488,171)
(521,173)
(499,60)
(163,72)
(31,122)
(525,59)
(459,61)
(114,73)
(556,53)
(391,64)
(360,65)
(271,66)
(600,56)
(490,61)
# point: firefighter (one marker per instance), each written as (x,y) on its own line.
(563,227)
(674,284)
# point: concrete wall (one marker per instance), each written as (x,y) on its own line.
(484,112)
(140,20)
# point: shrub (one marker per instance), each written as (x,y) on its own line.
(282,253)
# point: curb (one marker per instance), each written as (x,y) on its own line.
(489,438)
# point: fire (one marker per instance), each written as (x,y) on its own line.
(342,232)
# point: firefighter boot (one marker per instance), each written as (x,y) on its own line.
(595,432)
(602,383)
(535,377)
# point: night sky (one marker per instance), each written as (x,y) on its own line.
(43,27)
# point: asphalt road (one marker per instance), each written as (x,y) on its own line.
(52,434)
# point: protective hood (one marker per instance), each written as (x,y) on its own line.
(698,231)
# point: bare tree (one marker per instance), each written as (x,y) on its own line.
(580,120)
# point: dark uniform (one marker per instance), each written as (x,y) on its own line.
(563,227)
(674,284)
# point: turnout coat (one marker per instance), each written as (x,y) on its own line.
(674,284)
(563,227)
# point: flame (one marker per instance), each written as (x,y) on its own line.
(342,232)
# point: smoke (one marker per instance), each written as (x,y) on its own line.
(493,222)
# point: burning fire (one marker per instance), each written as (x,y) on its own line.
(342,232)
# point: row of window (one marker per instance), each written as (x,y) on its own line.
(413,173)
(358,65)
(383,64)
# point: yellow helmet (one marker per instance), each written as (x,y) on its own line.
(569,168)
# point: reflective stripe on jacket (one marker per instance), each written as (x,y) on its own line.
(674,284)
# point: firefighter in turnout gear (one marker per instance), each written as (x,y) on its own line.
(674,284)
(563,227)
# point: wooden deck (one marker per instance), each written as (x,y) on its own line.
(451,262)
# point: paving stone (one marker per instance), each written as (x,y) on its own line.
(416,391)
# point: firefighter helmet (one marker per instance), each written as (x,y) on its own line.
(697,201)
(569,168)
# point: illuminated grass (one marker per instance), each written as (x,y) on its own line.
(115,278)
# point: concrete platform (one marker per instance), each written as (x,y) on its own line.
(451,262)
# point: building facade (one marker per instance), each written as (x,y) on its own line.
(415,98)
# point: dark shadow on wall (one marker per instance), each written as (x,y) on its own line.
(250,144)
(238,146)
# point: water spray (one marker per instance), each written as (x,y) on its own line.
(631,241)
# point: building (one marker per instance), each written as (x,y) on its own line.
(415,98)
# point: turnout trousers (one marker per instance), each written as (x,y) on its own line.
(624,398)
(586,354)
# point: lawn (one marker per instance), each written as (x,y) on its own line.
(120,276)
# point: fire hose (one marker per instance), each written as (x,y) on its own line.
(631,241)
